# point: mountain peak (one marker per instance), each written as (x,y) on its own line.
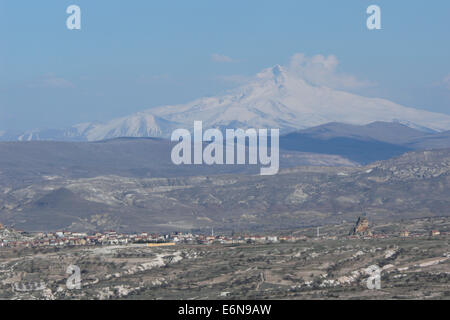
(277,70)
(277,74)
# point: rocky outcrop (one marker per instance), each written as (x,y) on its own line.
(361,227)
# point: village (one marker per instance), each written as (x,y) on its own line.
(20,239)
(68,238)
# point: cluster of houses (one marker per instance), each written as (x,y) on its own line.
(68,238)
(202,239)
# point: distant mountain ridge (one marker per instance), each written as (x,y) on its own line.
(389,132)
(274,98)
(363,144)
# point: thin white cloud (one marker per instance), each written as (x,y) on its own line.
(446,82)
(51,81)
(322,71)
(216,57)
(317,70)
(443,83)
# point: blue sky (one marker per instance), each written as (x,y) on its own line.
(134,55)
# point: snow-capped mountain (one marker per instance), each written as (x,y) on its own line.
(140,124)
(137,125)
(277,98)
(274,98)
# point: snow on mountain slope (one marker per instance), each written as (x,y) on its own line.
(277,98)
(274,98)
(136,125)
